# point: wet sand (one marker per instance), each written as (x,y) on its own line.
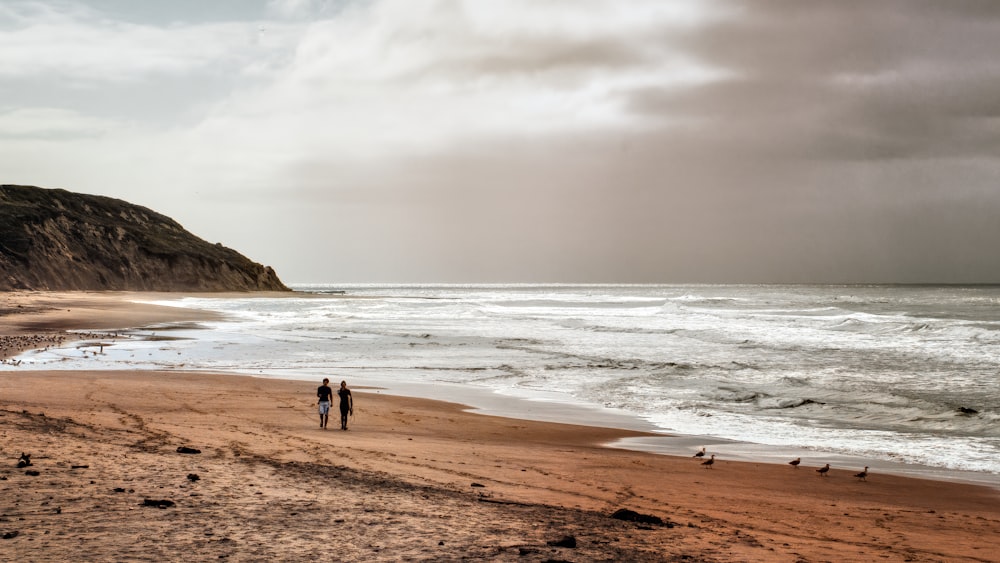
(411,480)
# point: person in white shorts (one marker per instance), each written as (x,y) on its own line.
(325,395)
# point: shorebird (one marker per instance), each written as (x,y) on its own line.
(863,475)
(795,462)
(708,463)
(823,470)
(700,454)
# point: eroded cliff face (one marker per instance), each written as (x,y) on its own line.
(59,240)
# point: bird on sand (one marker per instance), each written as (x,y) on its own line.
(708,463)
(700,454)
(795,462)
(863,476)
(823,470)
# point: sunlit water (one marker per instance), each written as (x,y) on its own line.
(905,374)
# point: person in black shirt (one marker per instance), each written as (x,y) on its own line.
(346,404)
(325,395)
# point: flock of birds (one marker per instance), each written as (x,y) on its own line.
(11,345)
(822,471)
(14,344)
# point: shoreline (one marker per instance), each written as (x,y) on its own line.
(56,312)
(657,441)
(414,478)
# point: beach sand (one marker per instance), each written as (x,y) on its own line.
(411,480)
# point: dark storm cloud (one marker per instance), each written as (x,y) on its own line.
(844,80)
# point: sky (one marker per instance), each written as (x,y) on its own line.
(534,141)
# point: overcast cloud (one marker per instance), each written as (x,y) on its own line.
(528,140)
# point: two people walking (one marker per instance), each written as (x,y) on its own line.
(325,394)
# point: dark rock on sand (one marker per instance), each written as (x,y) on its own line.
(967,410)
(24,460)
(633,516)
(11,535)
(568,541)
(32,472)
(187,450)
(193,477)
(158,503)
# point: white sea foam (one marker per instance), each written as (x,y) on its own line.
(881,372)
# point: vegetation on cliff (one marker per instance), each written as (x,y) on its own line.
(52,239)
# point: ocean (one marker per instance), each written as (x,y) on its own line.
(890,376)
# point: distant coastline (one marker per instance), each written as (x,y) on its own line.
(56,240)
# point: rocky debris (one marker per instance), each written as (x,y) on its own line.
(567,541)
(59,240)
(24,460)
(633,516)
(967,410)
(164,503)
(187,450)
(11,535)
(33,473)
(193,477)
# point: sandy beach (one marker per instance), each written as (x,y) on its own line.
(411,479)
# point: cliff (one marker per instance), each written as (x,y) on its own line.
(59,240)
